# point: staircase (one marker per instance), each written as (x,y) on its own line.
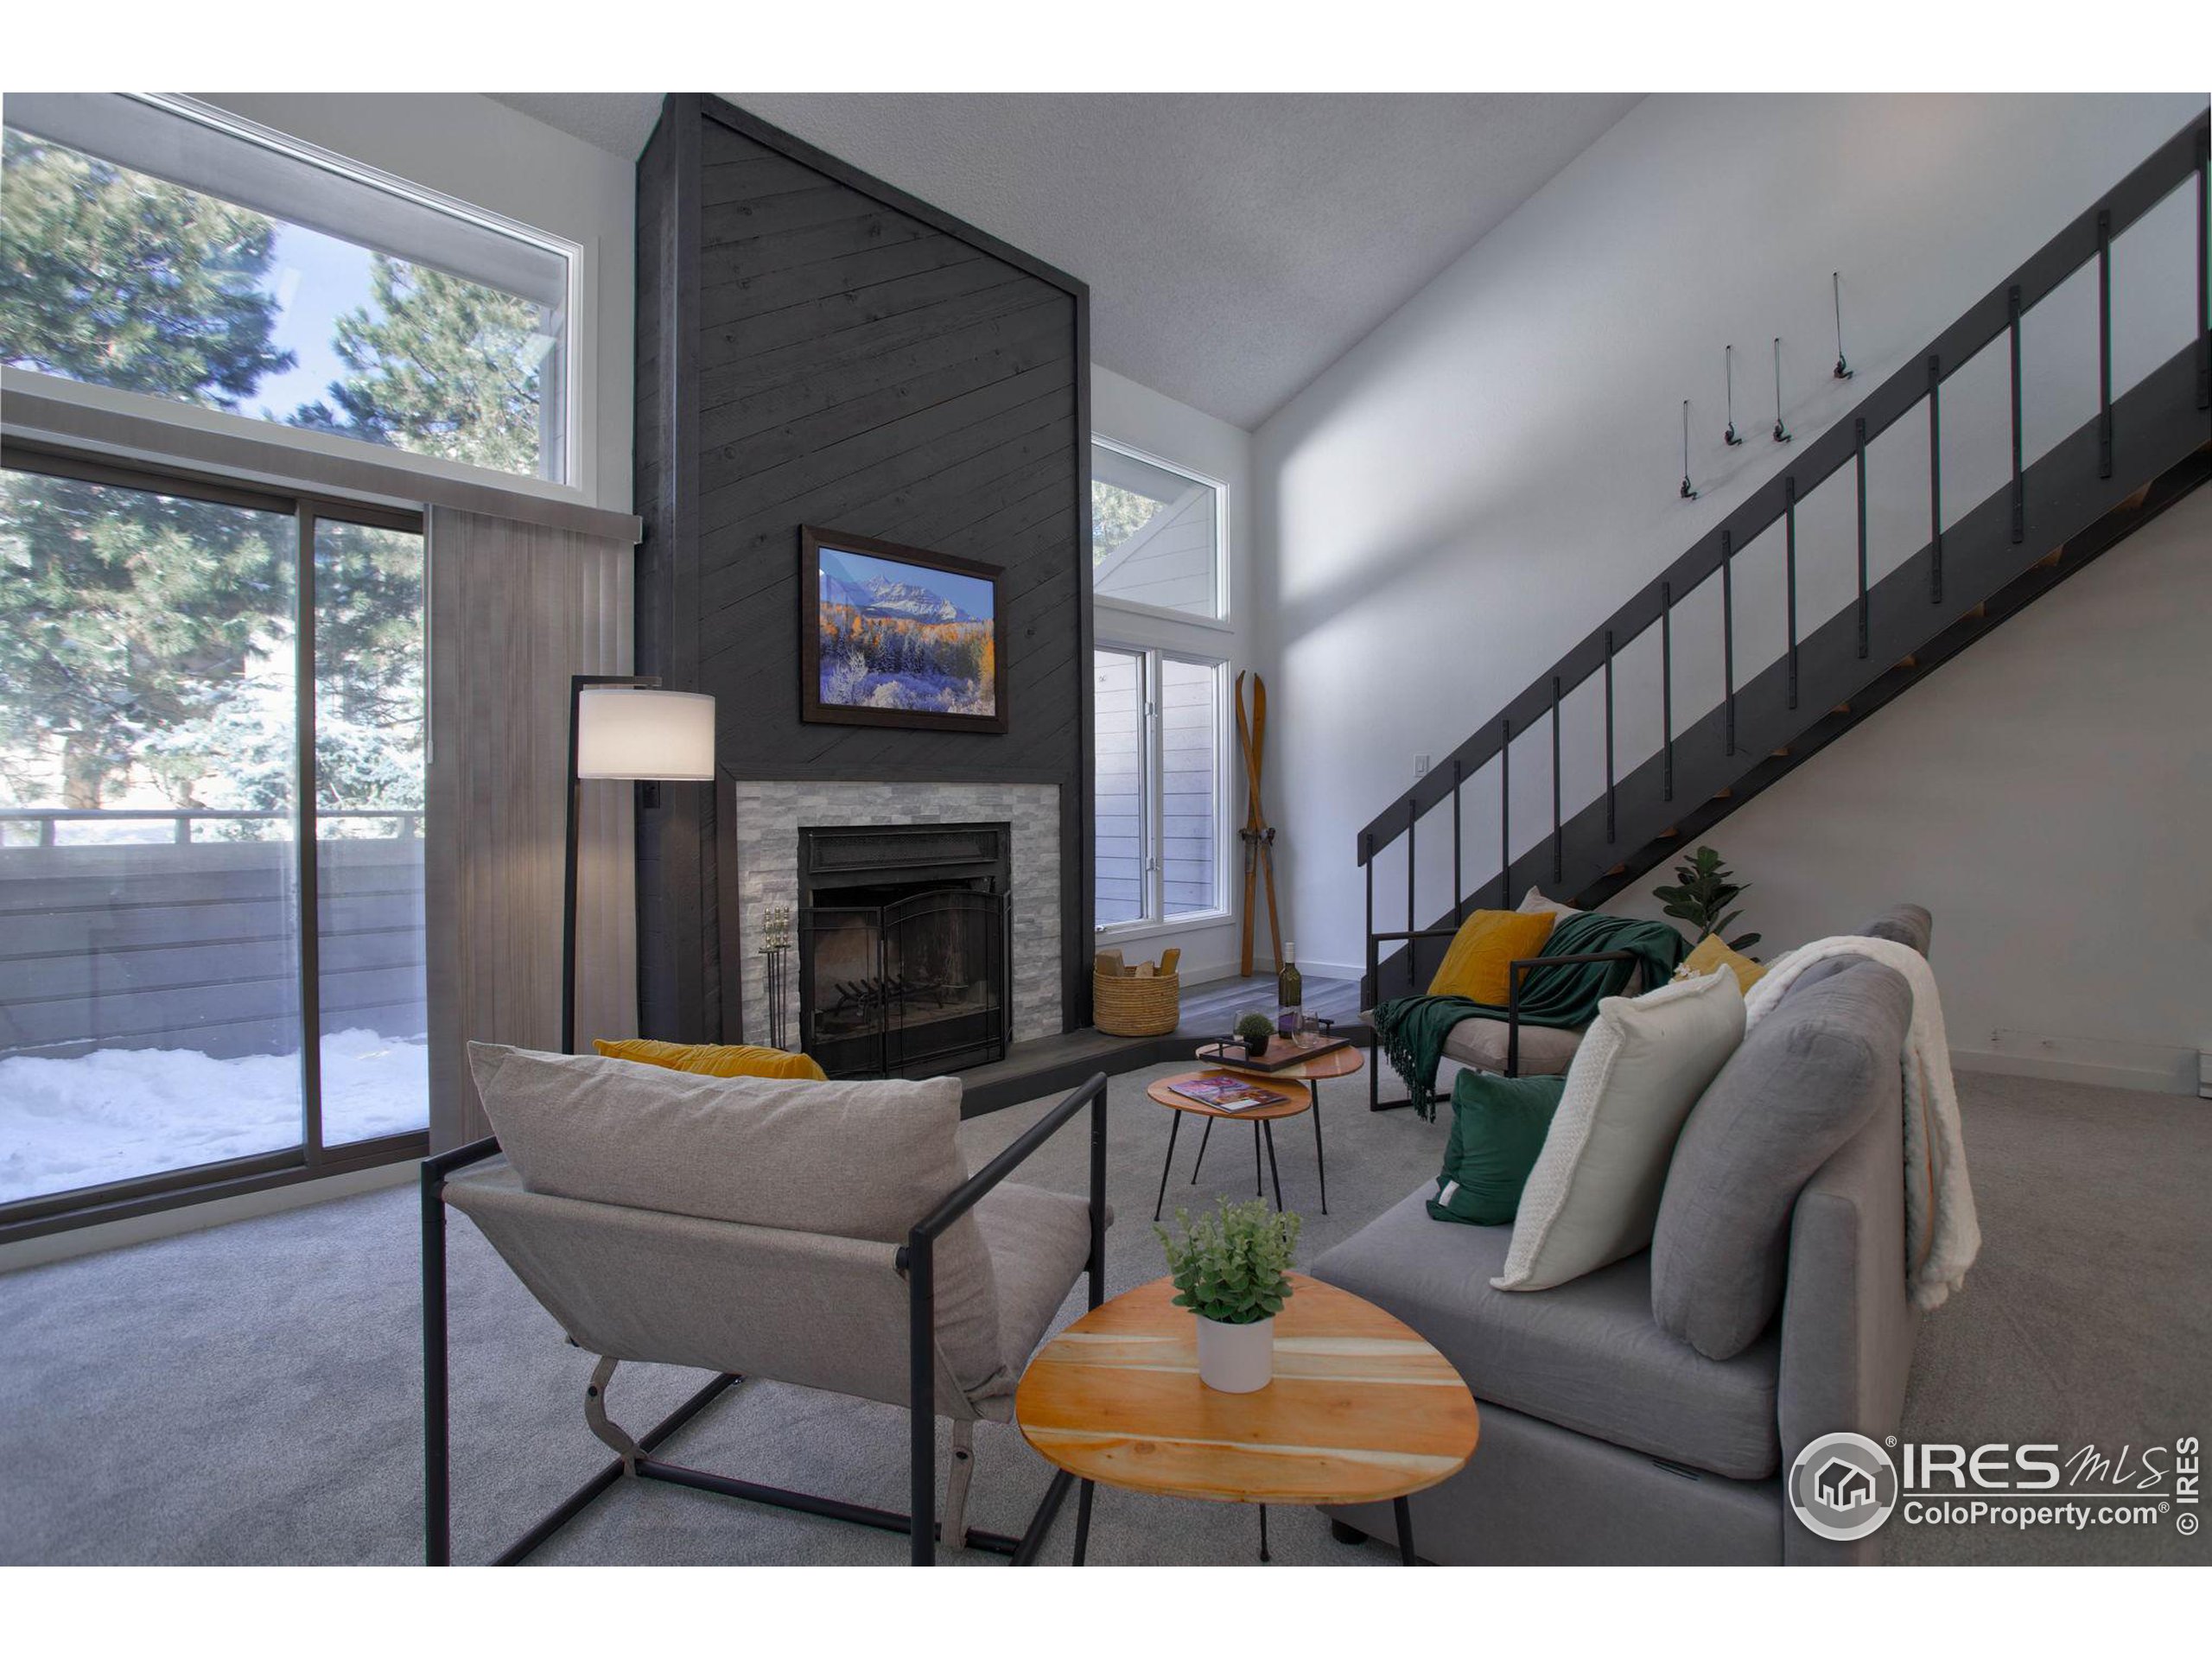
(2140,453)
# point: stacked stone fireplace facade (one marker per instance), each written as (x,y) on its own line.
(767,818)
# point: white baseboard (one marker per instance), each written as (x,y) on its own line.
(1333,969)
(1212,973)
(2177,1079)
(192,1217)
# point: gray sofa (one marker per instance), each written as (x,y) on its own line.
(1606,1439)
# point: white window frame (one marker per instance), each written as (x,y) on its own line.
(580,365)
(1155,920)
(1224,623)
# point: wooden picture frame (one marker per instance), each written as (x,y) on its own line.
(889,600)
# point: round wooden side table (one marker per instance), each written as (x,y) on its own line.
(1334,1063)
(1361,1409)
(1297,1098)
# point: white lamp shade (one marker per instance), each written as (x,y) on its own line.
(636,732)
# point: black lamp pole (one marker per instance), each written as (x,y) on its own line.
(577,684)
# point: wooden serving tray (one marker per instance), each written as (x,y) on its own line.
(1280,1056)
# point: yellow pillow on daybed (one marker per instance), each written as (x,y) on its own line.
(1488,942)
(1711,954)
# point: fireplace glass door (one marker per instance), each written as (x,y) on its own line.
(905,985)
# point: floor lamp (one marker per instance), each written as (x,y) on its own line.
(625,727)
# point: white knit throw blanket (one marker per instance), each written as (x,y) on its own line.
(1941,1233)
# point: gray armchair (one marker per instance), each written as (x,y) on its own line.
(824,1235)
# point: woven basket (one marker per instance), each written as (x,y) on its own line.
(1125,1007)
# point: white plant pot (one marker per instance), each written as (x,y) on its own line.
(1236,1358)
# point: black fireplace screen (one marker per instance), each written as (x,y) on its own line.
(902,978)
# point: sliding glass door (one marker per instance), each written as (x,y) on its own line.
(371,732)
(195,683)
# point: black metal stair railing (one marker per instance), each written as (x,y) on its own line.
(2139,452)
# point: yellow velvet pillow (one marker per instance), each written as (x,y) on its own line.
(1487,943)
(712,1060)
(1711,953)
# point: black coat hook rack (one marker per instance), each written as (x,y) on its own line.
(1728,370)
(1688,494)
(1780,432)
(1843,370)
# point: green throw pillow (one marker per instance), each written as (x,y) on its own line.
(1498,1126)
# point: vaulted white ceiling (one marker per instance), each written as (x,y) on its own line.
(1236,246)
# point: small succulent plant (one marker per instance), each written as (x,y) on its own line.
(1255,1028)
(1232,1264)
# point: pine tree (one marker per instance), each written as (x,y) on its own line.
(111,277)
(121,612)
(142,628)
(439,365)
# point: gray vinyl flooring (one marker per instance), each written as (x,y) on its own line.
(250,1393)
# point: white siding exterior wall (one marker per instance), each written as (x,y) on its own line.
(1172,562)
(1119,713)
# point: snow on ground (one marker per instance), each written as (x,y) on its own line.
(119,1113)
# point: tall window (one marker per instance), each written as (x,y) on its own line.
(1159,787)
(196,682)
(154,246)
(1155,535)
(1159,708)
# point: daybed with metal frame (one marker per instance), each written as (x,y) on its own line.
(1479,1048)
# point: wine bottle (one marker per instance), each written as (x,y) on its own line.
(1290,989)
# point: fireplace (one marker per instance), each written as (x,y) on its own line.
(904,947)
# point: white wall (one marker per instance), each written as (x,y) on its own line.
(1146,420)
(2046,794)
(466,146)
(1484,478)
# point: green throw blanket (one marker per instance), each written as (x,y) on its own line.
(1412,1029)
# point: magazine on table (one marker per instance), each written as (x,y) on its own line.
(1228,1094)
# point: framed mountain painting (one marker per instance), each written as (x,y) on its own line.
(895,636)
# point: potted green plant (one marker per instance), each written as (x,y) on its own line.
(1255,1030)
(1232,1268)
(1707,888)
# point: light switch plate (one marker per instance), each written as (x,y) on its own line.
(1420,765)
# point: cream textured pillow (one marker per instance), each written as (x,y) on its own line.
(1593,1196)
(1533,903)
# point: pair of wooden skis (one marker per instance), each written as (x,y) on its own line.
(1257,835)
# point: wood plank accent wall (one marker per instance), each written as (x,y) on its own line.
(816,347)
(515,610)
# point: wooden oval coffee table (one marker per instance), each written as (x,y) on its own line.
(1361,1409)
(1297,1097)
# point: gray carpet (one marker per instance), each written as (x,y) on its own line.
(2086,1319)
(250,1393)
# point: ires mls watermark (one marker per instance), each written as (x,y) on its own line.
(1844,1486)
